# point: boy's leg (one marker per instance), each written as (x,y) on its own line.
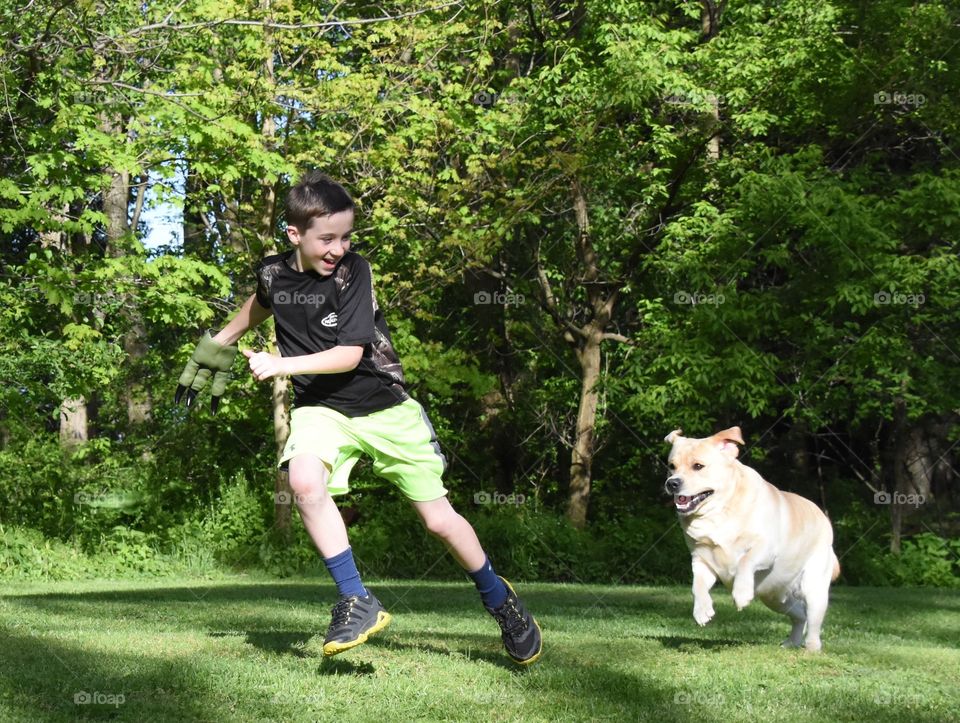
(442,520)
(520,631)
(358,614)
(321,518)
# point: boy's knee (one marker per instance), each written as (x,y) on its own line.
(308,478)
(442,525)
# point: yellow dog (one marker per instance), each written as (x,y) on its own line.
(758,541)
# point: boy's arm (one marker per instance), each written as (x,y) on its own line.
(250,315)
(264,365)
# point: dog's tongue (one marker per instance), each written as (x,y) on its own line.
(682,500)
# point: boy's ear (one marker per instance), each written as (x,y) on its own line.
(293,234)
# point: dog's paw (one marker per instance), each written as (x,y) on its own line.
(742,597)
(813,646)
(703,614)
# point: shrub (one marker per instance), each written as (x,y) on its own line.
(927,560)
(236,523)
(25,554)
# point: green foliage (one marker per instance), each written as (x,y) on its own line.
(27,554)
(928,560)
(235,523)
(800,277)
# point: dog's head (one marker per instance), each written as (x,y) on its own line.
(702,471)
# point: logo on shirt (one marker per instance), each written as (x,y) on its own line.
(329,320)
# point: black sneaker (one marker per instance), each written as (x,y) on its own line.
(521,633)
(355,619)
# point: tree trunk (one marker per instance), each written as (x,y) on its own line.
(116,204)
(282,511)
(281,387)
(913,465)
(194,230)
(116,208)
(587,341)
(73,423)
(139,399)
(73,410)
(709,26)
(582,455)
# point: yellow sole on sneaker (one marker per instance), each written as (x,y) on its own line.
(332,648)
(535,658)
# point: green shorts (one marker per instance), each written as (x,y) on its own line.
(400,440)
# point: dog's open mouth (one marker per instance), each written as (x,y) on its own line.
(686,505)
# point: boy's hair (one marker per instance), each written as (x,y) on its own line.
(316,194)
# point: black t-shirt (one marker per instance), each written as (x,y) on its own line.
(314,313)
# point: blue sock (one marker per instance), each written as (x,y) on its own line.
(492,591)
(344,571)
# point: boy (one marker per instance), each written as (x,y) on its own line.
(350,398)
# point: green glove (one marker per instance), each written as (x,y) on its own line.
(209,358)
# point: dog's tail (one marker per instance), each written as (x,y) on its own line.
(836,567)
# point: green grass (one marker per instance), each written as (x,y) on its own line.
(239,649)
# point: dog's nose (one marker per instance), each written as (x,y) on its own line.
(674,484)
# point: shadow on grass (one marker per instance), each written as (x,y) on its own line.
(474,650)
(274,641)
(677,642)
(595,674)
(344,666)
(296,644)
(58,681)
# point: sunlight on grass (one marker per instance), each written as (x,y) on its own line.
(244,649)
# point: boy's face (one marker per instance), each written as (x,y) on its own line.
(325,241)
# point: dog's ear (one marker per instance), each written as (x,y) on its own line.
(728,440)
(673,436)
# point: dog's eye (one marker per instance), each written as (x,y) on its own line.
(697,467)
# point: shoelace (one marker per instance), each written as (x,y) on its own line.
(510,619)
(342,610)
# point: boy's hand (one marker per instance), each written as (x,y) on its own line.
(264,365)
(209,358)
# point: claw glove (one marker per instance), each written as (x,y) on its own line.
(209,358)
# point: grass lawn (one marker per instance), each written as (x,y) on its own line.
(238,649)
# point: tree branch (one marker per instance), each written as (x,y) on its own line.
(165,25)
